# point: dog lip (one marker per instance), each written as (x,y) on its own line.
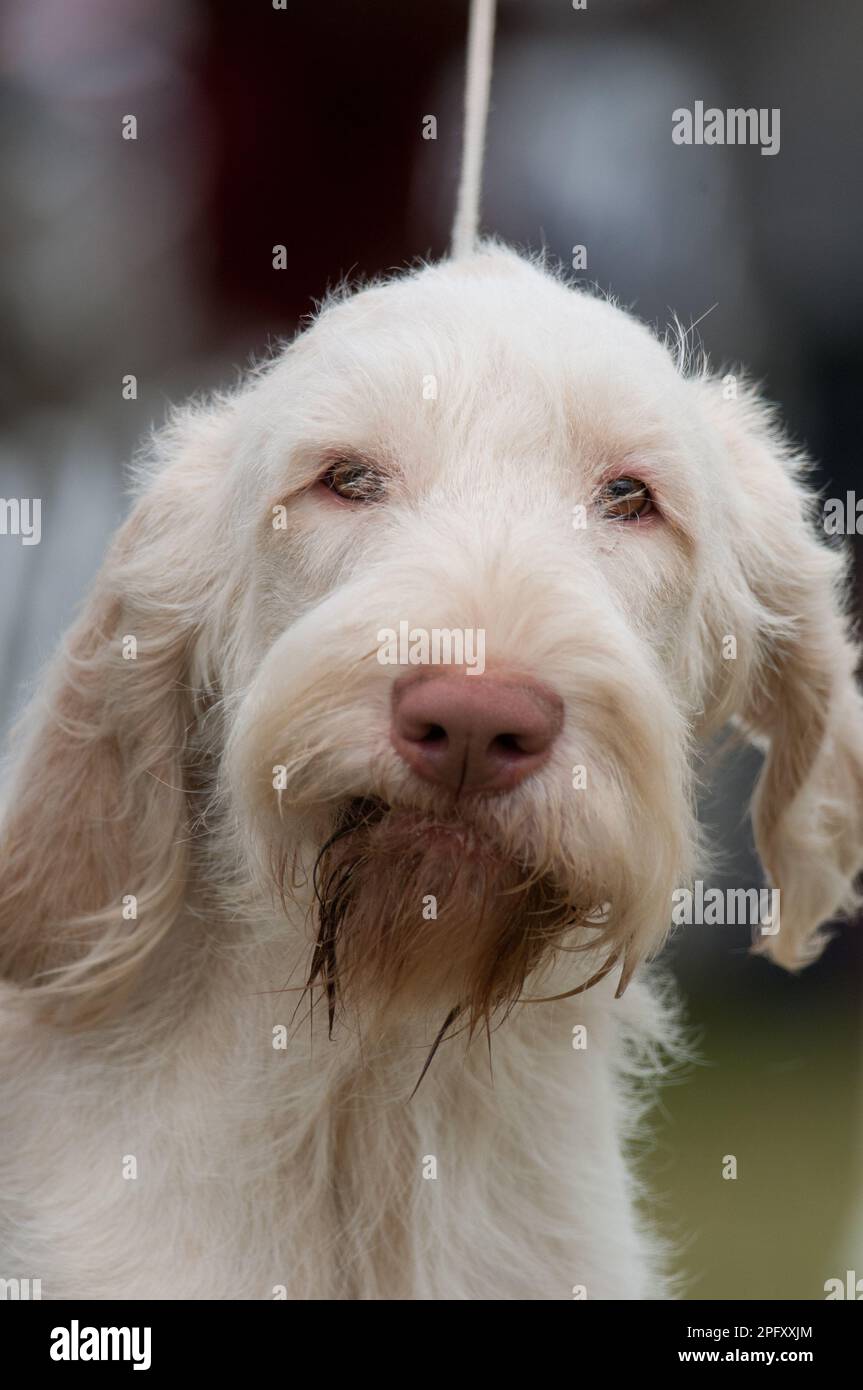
(460,835)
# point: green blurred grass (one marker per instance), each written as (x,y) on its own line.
(781,1090)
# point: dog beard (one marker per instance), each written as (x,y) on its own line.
(421,915)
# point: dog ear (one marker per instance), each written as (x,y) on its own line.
(93,852)
(794,689)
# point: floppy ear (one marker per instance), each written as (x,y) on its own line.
(796,688)
(93,852)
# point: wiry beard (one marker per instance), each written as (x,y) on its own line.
(496,921)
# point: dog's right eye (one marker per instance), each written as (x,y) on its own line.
(354,480)
(626,499)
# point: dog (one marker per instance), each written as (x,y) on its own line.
(296,941)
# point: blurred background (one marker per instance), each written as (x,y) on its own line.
(303,127)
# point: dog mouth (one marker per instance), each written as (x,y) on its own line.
(452,834)
(427,915)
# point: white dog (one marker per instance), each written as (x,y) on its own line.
(254,880)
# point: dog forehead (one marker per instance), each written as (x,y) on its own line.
(491,312)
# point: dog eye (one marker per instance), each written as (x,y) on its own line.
(354,479)
(625,499)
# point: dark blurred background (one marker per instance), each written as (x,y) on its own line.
(302,127)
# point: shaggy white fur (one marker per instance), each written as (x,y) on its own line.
(157,859)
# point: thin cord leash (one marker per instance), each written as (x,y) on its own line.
(477,84)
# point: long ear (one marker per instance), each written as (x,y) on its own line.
(797,689)
(93,852)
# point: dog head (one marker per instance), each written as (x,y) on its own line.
(428,619)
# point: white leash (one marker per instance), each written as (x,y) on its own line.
(477,83)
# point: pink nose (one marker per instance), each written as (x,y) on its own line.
(474,733)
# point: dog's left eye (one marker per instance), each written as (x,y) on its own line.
(354,479)
(626,499)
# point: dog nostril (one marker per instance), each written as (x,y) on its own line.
(507,743)
(435,733)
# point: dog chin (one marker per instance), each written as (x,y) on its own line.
(424,915)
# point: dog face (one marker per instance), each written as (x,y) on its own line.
(538,482)
(475,451)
